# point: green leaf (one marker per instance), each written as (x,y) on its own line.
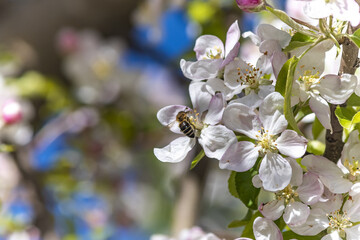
(295,44)
(280,85)
(355,39)
(316,147)
(317,128)
(357,32)
(286,19)
(197,159)
(237,223)
(291,235)
(6,148)
(248,231)
(347,117)
(240,186)
(289,115)
(298,40)
(353,100)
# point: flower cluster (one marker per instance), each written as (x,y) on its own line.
(247,115)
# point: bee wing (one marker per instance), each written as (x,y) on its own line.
(174,127)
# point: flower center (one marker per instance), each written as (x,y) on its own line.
(354,169)
(194,120)
(252,78)
(266,141)
(102,69)
(339,222)
(308,80)
(213,53)
(288,194)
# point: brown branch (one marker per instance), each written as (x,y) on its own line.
(349,61)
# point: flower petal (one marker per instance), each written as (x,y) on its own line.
(275,172)
(232,37)
(311,189)
(215,140)
(200,70)
(297,172)
(272,103)
(321,109)
(216,109)
(296,214)
(214,85)
(272,210)
(251,100)
(353,233)
(199,95)
(231,74)
(176,151)
(316,222)
(239,157)
(242,119)
(265,229)
(336,89)
(167,116)
(291,144)
(330,174)
(269,32)
(206,43)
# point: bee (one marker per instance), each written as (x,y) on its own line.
(185,125)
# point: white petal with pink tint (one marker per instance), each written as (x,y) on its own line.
(176,151)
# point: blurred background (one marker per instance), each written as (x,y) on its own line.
(81,83)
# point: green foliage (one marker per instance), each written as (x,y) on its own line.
(290,22)
(317,128)
(248,231)
(197,159)
(289,115)
(35,85)
(237,223)
(298,40)
(241,187)
(201,11)
(280,85)
(316,147)
(122,123)
(243,222)
(356,37)
(6,148)
(347,117)
(353,100)
(288,235)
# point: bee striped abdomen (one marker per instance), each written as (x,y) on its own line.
(187,129)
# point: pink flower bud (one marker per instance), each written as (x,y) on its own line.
(11,112)
(251,5)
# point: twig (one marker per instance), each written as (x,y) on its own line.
(349,60)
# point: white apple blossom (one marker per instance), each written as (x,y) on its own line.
(212,55)
(336,217)
(270,41)
(344,10)
(205,118)
(268,129)
(330,174)
(312,85)
(243,77)
(292,201)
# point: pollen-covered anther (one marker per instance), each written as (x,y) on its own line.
(339,221)
(266,141)
(354,169)
(288,194)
